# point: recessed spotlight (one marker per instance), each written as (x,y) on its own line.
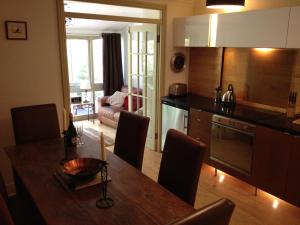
(275,204)
(221,178)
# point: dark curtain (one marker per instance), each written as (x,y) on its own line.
(112,63)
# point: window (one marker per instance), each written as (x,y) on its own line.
(97,58)
(78,60)
(85,69)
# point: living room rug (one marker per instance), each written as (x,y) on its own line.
(95,134)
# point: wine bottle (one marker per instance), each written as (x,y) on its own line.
(71,133)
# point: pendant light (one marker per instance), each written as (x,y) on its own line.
(222,4)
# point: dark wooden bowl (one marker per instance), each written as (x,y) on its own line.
(83,167)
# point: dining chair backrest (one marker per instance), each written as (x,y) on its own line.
(35,123)
(181,165)
(217,213)
(5,217)
(131,138)
(3,190)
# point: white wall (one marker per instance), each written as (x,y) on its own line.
(29,70)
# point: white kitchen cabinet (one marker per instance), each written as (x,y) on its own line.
(293,40)
(191,31)
(263,28)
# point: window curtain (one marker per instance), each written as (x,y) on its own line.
(112,63)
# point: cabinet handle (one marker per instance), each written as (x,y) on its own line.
(199,120)
(198,139)
(185,121)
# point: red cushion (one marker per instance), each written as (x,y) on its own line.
(125,105)
(134,103)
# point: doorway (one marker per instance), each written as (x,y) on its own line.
(141,61)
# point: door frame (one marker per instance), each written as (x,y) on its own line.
(61,15)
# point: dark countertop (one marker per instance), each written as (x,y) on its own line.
(267,118)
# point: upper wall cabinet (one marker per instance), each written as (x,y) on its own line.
(191,31)
(265,28)
(293,40)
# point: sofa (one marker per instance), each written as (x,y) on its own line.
(109,114)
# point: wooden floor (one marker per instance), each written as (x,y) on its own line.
(250,209)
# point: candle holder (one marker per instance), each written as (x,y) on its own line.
(104,201)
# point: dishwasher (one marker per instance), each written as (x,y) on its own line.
(173,118)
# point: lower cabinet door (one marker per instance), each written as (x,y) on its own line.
(270,160)
(292,194)
(200,128)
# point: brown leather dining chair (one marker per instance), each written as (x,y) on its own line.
(17,209)
(131,138)
(3,190)
(35,123)
(181,165)
(5,217)
(217,213)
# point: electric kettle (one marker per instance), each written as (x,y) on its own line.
(228,97)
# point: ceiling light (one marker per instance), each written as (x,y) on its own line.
(69,21)
(224,4)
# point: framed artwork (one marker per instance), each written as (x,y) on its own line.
(16,30)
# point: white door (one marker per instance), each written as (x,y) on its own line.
(142,75)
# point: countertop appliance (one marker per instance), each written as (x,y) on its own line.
(173,117)
(178,89)
(228,98)
(232,143)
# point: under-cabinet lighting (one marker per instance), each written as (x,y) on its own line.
(187,42)
(264,49)
(221,178)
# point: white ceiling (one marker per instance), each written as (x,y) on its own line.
(95,25)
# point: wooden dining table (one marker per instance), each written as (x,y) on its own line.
(138,200)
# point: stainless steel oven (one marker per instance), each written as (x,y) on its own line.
(232,143)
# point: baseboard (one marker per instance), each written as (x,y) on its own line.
(11,189)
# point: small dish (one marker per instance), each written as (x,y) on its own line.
(83,167)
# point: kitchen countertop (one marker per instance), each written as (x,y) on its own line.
(267,118)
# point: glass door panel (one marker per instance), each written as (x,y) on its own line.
(142,75)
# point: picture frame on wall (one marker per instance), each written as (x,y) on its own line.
(16,30)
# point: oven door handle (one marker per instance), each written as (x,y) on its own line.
(232,128)
(185,121)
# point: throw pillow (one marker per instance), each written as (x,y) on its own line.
(125,105)
(117,99)
(134,103)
